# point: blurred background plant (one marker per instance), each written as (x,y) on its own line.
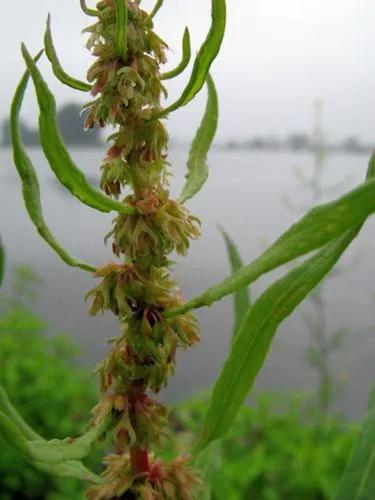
(277,449)
(324,343)
(41,373)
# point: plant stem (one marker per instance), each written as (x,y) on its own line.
(139,459)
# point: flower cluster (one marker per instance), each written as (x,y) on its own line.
(161,481)
(138,419)
(162,226)
(127,90)
(124,287)
(146,350)
(135,155)
(122,367)
(123,87)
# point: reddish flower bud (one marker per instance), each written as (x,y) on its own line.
(114,151)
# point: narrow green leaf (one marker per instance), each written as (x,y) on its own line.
(371,167)
(197,167)
(30,184)
(256,333)
(57,451)
(55,150)
(241,297)
(158,5)
(86,10)
(186,55)
(8,409)
(56,66)
(18,437)
(13,437)
(2,261)
(358,482)
(71,468)
(208,462)
(205,57)
(319,226)
(122,28)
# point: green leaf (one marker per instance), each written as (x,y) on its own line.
(13,437)
(37,448)
(241,296)
(319,226)
(122,28)
(8,409)
(30,184)
(55,150)
(204,59)
(371,167)
(71,468)
(197,167)
(56,66)
(17,433)
(157,7)
(57,451)
(256,333)
(186,55)
(358,482)
(86,10)
(2,262)
(208,462)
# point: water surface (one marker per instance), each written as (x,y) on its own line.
(243,195)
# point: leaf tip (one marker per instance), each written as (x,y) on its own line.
(25,52)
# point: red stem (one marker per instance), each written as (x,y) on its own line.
(139,460)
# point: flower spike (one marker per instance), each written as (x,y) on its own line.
(126,84)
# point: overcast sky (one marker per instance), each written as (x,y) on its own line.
(278,56)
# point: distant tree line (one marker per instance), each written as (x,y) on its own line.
(71,126)
(298,142)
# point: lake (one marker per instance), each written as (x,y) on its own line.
(243,194)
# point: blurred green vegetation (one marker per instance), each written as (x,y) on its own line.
(279,448)
(41,375)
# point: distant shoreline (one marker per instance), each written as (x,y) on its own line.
(219,146)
